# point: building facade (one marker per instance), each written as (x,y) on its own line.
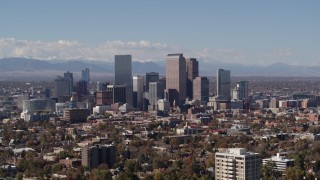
(123,74)
(61,87)
(151,77)
(82,87)
(118,93)
(237,163)
(68,75)
(156,92)
(93,156)
(176,78)
(243,90)
(201,89)
(138,84)
(85,75)
(192,67)
(223,84)
(76,115)
(281,162)
(104,98)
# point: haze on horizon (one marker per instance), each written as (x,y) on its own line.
(241,32)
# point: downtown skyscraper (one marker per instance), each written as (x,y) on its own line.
(85,75)
(69,76)
(138,83)
(151,77)
(201,89)
(243,89)
(223,84)
(123,74)
(176,78)
(192,73)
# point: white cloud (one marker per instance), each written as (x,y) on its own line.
(66,50)
(220,54)
(281,52)
(140,50)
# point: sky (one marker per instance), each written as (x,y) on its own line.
(241,32)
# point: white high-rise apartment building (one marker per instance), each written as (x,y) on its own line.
(237,163)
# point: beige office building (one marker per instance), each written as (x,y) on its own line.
(201,89)
(176,78)
(237,163)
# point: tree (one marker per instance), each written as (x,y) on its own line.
(107,115)
(269,171)
(130,165)
(299,161)
(314,129)
(159,162)
(98,173)
(294,173)
(57,167)
(127,176)
(174,143)
(210,160)
(19,176)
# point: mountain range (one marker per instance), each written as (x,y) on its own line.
(23,68)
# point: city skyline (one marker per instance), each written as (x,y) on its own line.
(238,32)
(159,89)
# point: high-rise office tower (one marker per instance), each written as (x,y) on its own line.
(237,163)
(123,74)
(164,82)
(82,87)
(104,98)
(151,77)
(118,93)
(201,89)
(156,92)
(176,78)
(102,86)
(138,83)
(85,75)
(61,87)
(243,89)
(68,75)
(235,93)
(223,84)
(192,72)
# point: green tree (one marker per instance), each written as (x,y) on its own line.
(57,167)
(107,115)
(294,173)
(314,129)
(127,176)
(130,165)
(269,171)
(19,176)
(98,173)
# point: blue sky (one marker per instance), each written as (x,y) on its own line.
(245,32)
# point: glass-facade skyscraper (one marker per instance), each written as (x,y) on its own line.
(223,84)
(123,74)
